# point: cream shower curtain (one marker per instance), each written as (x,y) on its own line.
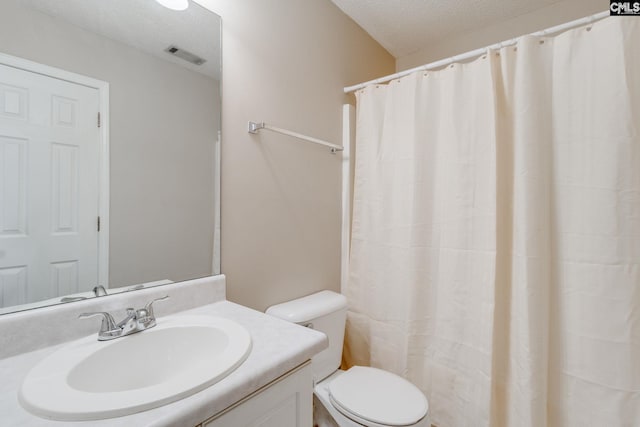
(495,256)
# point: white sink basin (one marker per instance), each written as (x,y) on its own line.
(90,379)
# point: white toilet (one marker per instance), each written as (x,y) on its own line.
(360,396)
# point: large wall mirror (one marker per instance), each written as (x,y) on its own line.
(109,148)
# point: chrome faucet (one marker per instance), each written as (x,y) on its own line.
(135,321)
(99,291)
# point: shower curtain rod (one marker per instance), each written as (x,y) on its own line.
(477,52)
(255,127)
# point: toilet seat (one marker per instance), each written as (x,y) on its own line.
(377,398)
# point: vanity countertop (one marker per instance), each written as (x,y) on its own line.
(277,347)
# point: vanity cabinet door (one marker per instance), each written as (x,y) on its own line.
(288,402)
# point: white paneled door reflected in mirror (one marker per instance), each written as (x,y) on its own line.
(109,128)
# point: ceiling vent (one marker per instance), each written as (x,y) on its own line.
(186,55)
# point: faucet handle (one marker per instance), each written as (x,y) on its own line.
(149,307)
(145,316)
(108,324)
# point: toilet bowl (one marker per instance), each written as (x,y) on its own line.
(359,396)
(400,404)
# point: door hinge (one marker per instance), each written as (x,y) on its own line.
(98,223)
(99,122)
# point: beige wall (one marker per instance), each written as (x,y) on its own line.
(285,62)
(557,13)
(164,123)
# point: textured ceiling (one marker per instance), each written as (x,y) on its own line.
(146,26)
(406,26)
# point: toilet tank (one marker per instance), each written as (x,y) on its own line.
(326,312)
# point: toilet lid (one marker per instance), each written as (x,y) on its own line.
(378,396)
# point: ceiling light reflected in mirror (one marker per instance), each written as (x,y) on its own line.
(174,4)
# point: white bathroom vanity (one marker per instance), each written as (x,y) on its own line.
(273,386)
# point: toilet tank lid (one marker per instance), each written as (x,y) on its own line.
(310,307)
